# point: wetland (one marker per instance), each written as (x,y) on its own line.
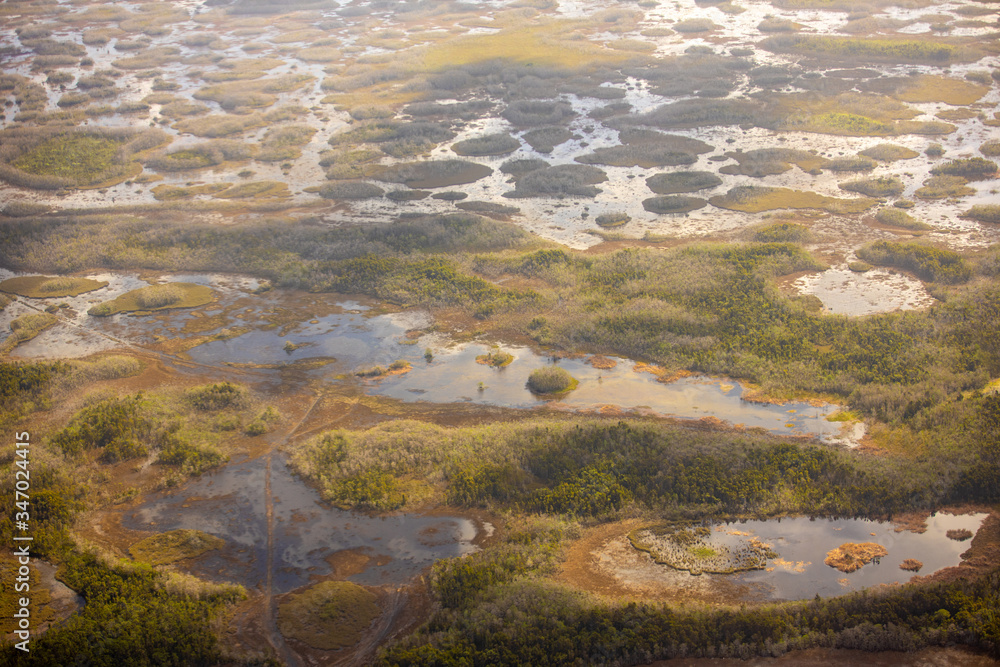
(545,332)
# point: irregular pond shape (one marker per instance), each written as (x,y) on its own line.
(231,503)
(802,544)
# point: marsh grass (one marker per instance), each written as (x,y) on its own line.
(611,220)
(682,181)
(551,380)
(756,199)
(984,213)
(172,546)
(52,158)
(894,217)
(892,50)
(45,287)
(255,190)
(762,162)
(350,190)
(284,143)
(673,204)
(889,153)
(198,156)
(330,615)
(574,180)
(156,297)
(944,187)
(25,328)
(490,144)
(882,186)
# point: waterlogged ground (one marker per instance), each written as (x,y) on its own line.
(308,534)
(337,42)
(329,340)
(797,573)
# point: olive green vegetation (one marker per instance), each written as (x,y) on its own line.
(973,169)
(984,213)
(45,287)
(551,380)
(26,327)
(680,182)
(50,158)
(329,615)
(904,50)
(174,545)
(614,219)
(882,186)
(889,153)
(756,199)
(782,232)
(927,262)
(944,187)
(155,297)
(500,603)
(895,217)
(673,204)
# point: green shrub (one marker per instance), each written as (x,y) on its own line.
(490,144)
(973,169)
(551,380)
(219,396)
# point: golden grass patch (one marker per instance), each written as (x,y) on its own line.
(753,199)
(156,297)
(47,287)
(931,88)
(852,556)
(174,545)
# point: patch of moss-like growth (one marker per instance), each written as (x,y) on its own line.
(173,546)
(931,88)
(330,615)
(489,209)
(889,153)
(520,166)
(762,162)
(47,287)
(782,232)
(255,190)
(573,180)
(495,358)
(984,213)
(926,262)
(990,148)
(490,144)
(609,220)
(545,139)
(25,328)
(755,199)
(673,204)
(972,169)
(944,187)
(664,150)
(433,173)
(46,159)
(551,380)
(353,190)
(692,549)
(156,297)
(883,186)
(897,50)
(894,217)
(680,182)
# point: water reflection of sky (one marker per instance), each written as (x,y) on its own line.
(230,503)
(802,545)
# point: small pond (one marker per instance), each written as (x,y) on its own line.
(231,503)
(799,572)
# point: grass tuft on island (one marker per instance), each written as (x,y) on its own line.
(155,297)
(496,358)
(756,199)
(47,287)
(551,380)
(852,556)
(174,545)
